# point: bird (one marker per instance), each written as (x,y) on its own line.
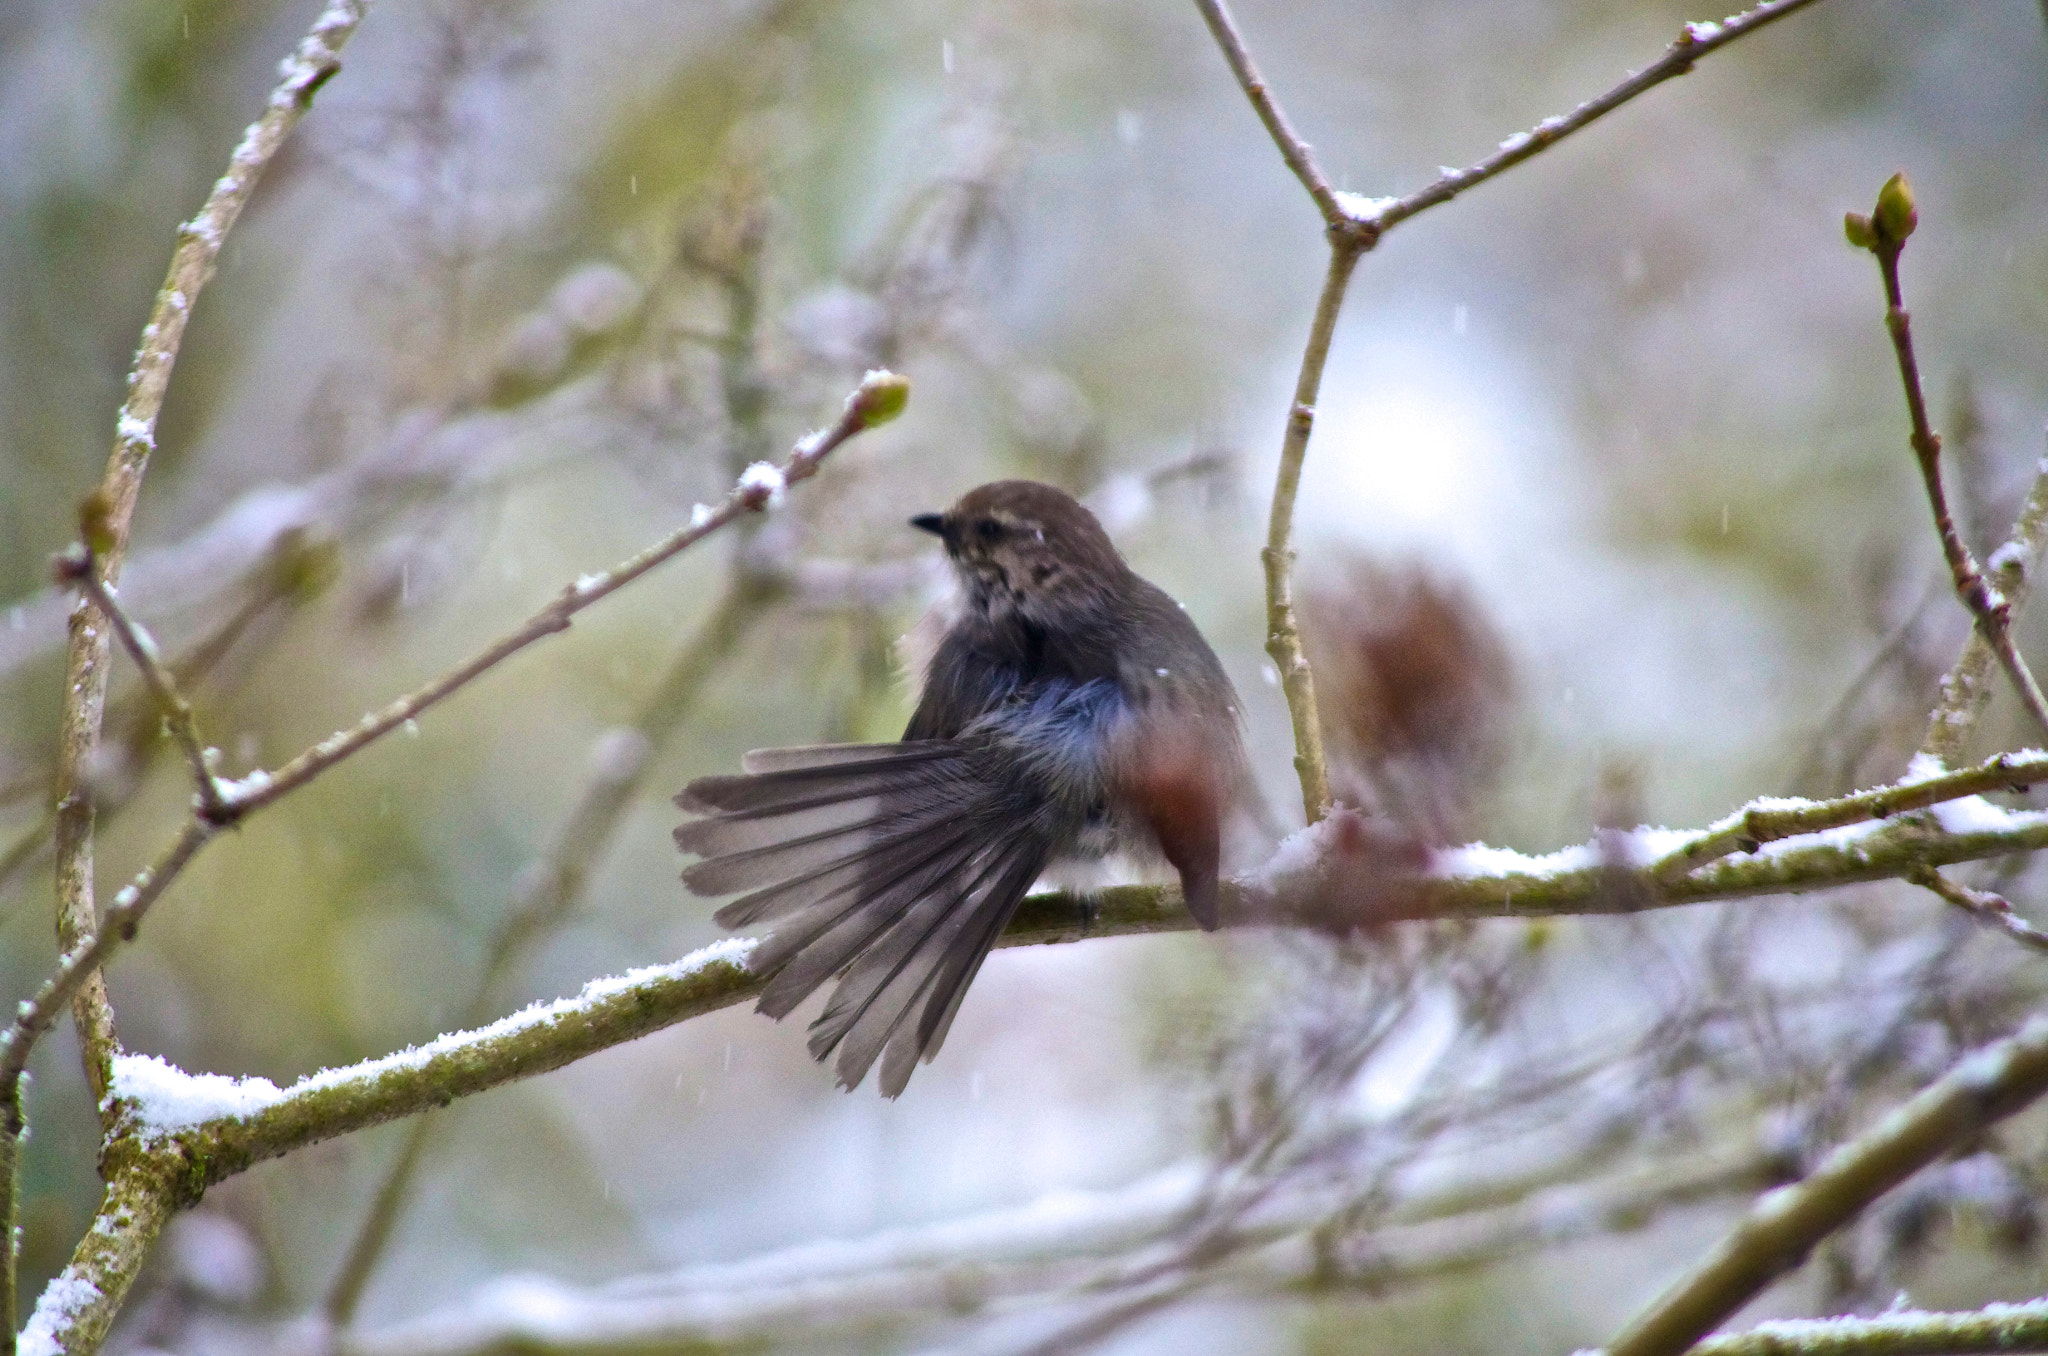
(1071,709)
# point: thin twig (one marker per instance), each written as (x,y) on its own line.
(1293,149)
(1283,635)
(311,65)
(1884,233)
(1694,41)
(1992,910)
(1786,1223)
(1966,688)
(1771,820)
(76,567)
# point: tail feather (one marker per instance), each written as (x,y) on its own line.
(950,981)
(831,934)
(877,1004)
(773,793)
(892,866)
(764,761)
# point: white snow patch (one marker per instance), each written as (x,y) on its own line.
(234,789)
(62,1300)
(1361,208)
(1974,814)
(1301,851)
(132,429)
(700,514)
(763,478)
(1482,859)
(167,1099)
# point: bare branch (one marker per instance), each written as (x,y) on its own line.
(1694,41)
(76,1310)
(1992,910)
(1293,149)
(1770,820)
(1283,635)
(1353,226)
(1786,1223)
(1995,1327)
(1884,233)
(878,398)
(76,567)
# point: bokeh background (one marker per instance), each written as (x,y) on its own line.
(533,279)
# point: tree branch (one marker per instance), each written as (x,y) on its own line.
(1992,910)
(1353,225)
(1785,1224)
(112,508)
(1293,149)
(271,1122)
(1994,1328)
(1771,819)
(878,399)
(1884,233)
(1283,635)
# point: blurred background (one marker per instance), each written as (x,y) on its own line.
(1609,518)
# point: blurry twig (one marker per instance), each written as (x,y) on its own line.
(1785,1224)
(1966,688)
(1884,233)
(1992,910)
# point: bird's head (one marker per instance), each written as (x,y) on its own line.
(1020,546)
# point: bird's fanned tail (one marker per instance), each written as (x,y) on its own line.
(893,863)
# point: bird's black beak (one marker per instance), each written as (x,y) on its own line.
(934,523)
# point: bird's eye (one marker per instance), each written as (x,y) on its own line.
(989,529)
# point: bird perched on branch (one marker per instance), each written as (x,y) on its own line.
(1071,710)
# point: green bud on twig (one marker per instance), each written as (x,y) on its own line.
(1859,230)
(880,398)
(96,521)
(1896,215)
(302,565)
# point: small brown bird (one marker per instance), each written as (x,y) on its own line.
(1070,711)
